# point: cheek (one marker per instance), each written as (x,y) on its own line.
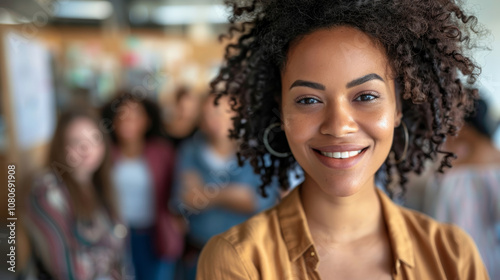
(131,126)
(72,157)
(212,123)
(384,123)
(97,155)
(120,126)
(382,129)
(298,128)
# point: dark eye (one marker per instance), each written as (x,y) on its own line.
(366,97)
(308,100)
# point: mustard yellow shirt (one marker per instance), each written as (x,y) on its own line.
(277,244)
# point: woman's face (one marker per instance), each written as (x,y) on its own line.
(216,120)
(85,151)
(132,122)
(188,107)
(339,108)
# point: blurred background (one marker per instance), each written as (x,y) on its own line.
(55,54)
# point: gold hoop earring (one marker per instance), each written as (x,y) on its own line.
(266,142)
(405,150)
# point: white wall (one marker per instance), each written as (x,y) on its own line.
(488,14)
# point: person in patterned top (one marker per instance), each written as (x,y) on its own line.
(71,220)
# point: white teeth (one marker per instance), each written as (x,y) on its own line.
(353,153)
(347,154)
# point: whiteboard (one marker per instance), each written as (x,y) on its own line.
(32,92)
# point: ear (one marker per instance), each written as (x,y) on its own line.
(398,117)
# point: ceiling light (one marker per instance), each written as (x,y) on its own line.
(189,14)
(92,10)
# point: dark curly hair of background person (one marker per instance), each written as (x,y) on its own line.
(426,42)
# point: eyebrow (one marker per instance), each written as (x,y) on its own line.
(301,83)
(363,80)
(353,83)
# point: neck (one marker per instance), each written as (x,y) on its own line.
(341,220)
(84,180)
(132,149)
(223,147)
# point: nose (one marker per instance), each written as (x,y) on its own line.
(338,120)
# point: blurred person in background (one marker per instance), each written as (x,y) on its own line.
(212,191)
(71,217)
(468,195)
(185,117)
(142,170)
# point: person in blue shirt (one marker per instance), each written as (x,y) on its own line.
(214,193)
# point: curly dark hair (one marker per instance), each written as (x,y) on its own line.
(113,109)
(425,41)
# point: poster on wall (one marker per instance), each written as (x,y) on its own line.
(32,92)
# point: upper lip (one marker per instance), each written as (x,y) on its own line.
(340,148)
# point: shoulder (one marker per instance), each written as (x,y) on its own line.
(159,151)
(221,260)
(47,181)
(159,144)
(192,147)
(198,140)
(254,232)
(231,255)
(419,224)
(49,193)
(187,145)
(419,228)
(446,243)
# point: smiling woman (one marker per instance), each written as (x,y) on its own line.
(343,79)
(347,108)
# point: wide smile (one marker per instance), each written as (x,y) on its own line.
(346,154)
(340,158)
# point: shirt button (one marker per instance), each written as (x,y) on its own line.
(312,254)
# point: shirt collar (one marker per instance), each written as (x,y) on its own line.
(294,225)
(399,236)
(298,238)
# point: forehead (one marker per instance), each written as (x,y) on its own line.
(335,54)
(79,126)
(133,106)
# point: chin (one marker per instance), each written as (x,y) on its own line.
(90,167)
(340,188)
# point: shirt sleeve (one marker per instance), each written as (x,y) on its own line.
(51,228)
(471,265)
(220,260)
